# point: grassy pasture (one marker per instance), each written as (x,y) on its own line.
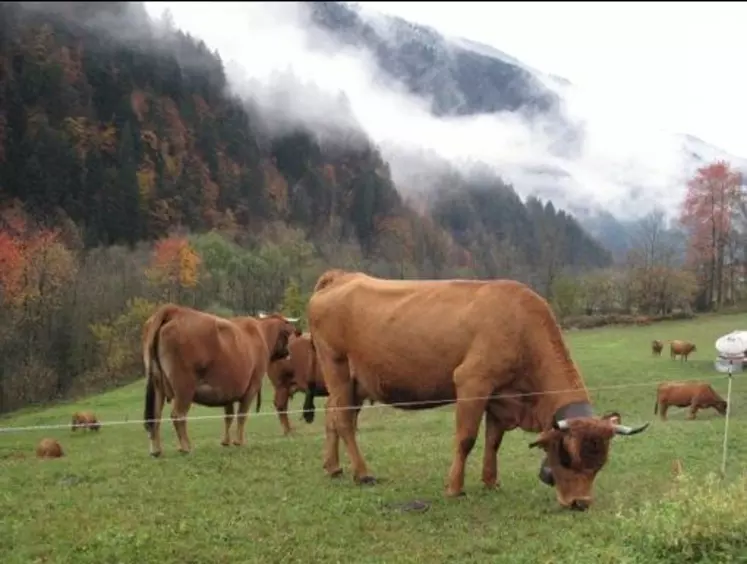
(108,501)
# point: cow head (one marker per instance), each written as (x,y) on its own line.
(721,406)
(287,327)
(576,450)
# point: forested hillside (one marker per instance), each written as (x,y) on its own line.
(457,81)
(117,133)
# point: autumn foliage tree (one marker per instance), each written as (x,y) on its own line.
(713,197)
(34,264)
(174,266)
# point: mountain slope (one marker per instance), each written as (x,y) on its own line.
(132,135)
(457,81)
(460,77)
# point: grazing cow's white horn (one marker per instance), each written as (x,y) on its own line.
(292,319)
(625,430)
(562,425)
(261,315)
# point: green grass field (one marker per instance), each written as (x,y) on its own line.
(107,501)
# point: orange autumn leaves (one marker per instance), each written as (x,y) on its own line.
(712,200)
(175,262)
(34,263)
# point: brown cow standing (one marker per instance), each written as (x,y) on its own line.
(86,420)
(656,347)
(682,348)
(298,372)
(433,342)
(696,395)
(192,356)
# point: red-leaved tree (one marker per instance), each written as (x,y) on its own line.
(712,199)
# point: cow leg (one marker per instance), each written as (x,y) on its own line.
(241,416)
(493,439)
(469,411)
(155,434)
(179,412)
(663,407)
(282,395)
(331,444)
(693,411)
(341,399)
(356,413)
(227,421)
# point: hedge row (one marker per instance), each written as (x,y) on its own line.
(593,321)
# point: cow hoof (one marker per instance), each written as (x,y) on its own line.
(155,454)
(335,473)
(366,481)
(455,494)
(492,485)
(184,452)
(237,443)
(225,443)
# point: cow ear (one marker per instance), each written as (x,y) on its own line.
(543,440)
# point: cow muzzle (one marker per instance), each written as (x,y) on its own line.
(580,505)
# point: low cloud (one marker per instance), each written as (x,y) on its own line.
(619,163)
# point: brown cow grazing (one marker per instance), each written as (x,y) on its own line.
(613,417)
(49,448)
(298,372)
(696,395)
(656,347)
(192,356)
(86,420)
(682,348)
(492,346)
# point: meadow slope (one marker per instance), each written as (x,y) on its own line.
(108,501)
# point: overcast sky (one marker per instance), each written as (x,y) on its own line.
(682,64)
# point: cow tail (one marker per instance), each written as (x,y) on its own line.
(656,406)
(150,405)
(259,400)
(151,361)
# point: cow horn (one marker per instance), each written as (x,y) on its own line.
(561,425)
(292,319)
(625,430)
(261,315)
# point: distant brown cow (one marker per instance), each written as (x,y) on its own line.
(298,372)
(192,356)
(613,417)
(86,420)
(49,448)
(493,347)
(681,348)
(696,395)
(656,347)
